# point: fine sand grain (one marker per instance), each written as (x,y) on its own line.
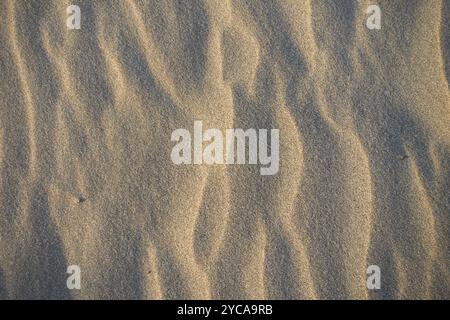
(86,177)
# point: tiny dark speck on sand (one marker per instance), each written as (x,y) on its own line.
(81,199)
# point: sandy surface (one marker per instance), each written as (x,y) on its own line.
(86,177)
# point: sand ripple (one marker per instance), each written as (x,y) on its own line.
(86,177)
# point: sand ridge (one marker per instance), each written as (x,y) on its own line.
(86,177)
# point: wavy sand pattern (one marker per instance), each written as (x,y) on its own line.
(86,177)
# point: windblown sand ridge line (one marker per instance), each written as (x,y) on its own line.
(86,177)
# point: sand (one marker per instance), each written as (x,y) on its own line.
(86,176)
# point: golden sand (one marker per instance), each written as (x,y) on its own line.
(86,176)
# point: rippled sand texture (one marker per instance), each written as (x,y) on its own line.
(86,177)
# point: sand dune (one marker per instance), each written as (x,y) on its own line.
(86,176)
